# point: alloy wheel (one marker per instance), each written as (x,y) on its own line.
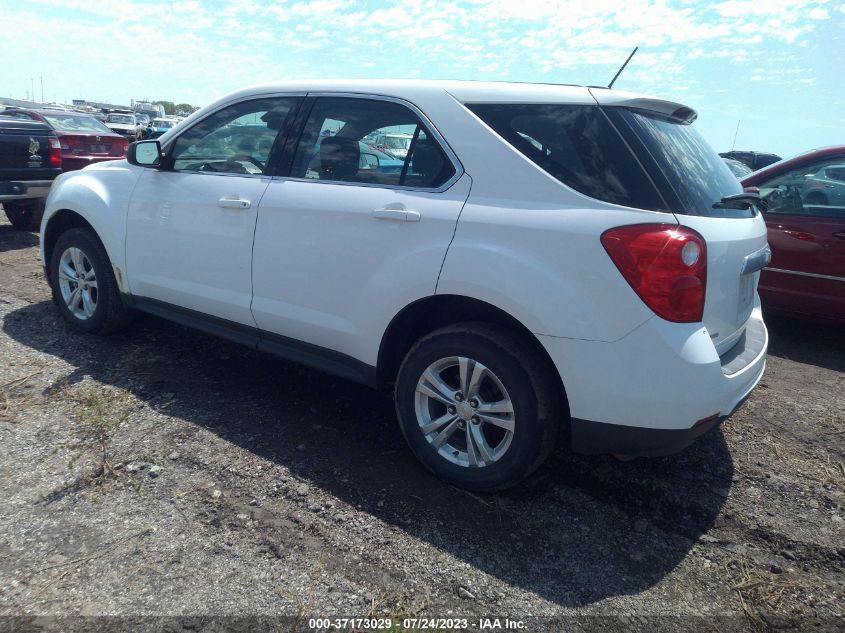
(464,412)
(78,283)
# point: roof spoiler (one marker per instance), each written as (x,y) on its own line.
(677,111)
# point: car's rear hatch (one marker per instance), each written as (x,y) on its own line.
(90,144)
(693,180)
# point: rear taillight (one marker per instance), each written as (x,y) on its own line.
(118,148)
(666,266)
(55,153)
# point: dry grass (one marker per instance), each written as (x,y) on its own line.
(99,410)
(763,595)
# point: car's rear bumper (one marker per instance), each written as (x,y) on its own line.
(24,189)
(657,389)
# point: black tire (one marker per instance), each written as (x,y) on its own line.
(110,313)
(24,216)
(528,380)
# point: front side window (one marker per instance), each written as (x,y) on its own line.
(370,142)
(816,189)
(234,140)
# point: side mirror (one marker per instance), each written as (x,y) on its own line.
(144,153)
(369,161)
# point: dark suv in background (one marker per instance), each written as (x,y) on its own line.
(755,160)
(30,158)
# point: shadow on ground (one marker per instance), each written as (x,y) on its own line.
(580,530)
(809,342)
(12,239)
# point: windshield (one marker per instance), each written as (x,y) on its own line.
(681,157)
(162,123)
(76,123)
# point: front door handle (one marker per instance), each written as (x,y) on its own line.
(233,203)
(396,213)
(840,235)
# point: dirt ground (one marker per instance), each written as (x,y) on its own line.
(173,481)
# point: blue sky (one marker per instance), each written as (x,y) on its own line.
(773,66)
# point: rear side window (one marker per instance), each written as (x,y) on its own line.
(579,146)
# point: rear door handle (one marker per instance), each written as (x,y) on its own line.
(397,214)
(840,235)
(233,203)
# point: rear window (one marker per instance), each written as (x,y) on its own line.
(689,172)
(577,145)
(76,123)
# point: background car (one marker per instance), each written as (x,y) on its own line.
(804,209)
(825,187)
(755,160)
(122,123)
(395,144)
(160,126)
(740,170)
(30,158)
(83,138)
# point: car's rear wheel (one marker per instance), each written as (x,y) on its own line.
(83,284)
(477,405)
(24,216)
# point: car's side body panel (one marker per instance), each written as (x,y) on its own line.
(546,267)
(328,271)
(807,271)
(184,248)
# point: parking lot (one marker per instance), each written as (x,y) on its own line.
(165,472)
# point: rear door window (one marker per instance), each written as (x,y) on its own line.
(579,146)
(369,141)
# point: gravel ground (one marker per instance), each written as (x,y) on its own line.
(162,472)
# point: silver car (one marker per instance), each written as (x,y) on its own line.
(825,187)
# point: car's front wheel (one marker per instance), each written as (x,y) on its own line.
(477,405)
(83,283)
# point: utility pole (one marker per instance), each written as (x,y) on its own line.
(41,77)
(733,145)
(32,87)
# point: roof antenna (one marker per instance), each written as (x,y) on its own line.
(619,72)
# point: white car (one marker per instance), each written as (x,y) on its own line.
(549,262)
(123,124)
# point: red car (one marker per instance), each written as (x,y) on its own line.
(84,139)
(804,209)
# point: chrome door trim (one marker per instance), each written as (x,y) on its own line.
(803,274)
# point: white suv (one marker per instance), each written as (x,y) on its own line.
(546,261)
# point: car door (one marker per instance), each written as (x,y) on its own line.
(806,231)
(190,224)
(343,242)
